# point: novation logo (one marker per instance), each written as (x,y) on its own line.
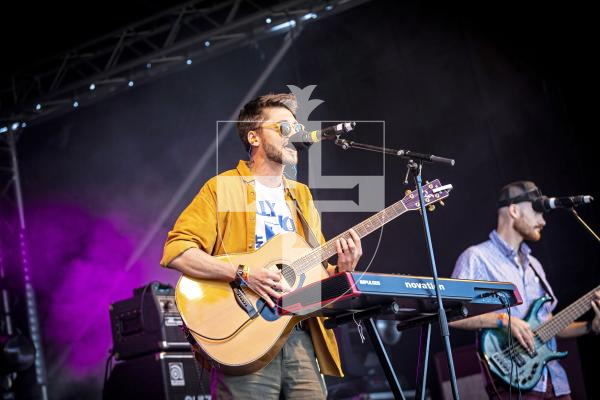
(422,285)
(369,282)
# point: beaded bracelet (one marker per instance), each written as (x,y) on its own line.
(500,320)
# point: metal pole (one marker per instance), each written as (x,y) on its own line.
(31,307)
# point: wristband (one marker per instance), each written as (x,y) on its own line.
(239,274)
(500,320)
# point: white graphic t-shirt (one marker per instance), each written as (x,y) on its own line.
(273,215)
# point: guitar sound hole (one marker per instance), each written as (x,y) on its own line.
(288,273)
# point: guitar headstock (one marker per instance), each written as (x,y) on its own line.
(433,192)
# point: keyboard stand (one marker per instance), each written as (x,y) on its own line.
(384,360)
(425,321)
(424,339)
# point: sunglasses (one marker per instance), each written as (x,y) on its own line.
(285,128)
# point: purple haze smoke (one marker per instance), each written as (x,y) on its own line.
(77,266)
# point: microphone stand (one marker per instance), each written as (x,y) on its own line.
(586,226)
(414,168)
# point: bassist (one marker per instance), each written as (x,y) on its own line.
(505,257)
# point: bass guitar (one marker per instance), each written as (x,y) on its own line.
(513,364)
(232,325)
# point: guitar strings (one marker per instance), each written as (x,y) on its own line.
(562,317)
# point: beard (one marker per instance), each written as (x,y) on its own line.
(278,155)
(528,232)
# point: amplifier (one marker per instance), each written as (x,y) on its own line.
(146,323)
(159,376)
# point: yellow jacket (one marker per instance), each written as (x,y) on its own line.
(222,219)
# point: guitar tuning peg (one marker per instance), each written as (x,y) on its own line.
(431,207)
(407,192)
(442,203)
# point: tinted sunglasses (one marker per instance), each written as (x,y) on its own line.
(285,128)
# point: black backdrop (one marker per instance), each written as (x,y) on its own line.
(505,89)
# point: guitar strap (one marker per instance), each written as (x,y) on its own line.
(545,284)
(309,235)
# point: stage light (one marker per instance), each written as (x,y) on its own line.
(130,83)
(23,125)
(285,25)
(207,43)
(188,61)
(268,20)
(148,65)
(75,104)
(93,86)
(329,7)
(3,129)
(38,107)
(14,126)
(309,16)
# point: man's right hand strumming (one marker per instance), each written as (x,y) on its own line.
(522,332)
(267,284)
(519,329)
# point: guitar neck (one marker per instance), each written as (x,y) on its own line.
(362,229)
(560,321)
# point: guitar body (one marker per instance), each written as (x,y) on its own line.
(243,338)
(494,341)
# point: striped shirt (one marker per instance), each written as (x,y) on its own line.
(495,260)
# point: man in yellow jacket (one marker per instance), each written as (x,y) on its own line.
(240,210)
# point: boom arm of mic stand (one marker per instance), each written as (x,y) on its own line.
(586,226)
(407,154)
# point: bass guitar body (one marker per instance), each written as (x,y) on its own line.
(526,369)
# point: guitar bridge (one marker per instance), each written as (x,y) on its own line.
(502,362)
(242,300)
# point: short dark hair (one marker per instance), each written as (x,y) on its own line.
(251,115)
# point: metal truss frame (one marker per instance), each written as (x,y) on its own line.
(145,50)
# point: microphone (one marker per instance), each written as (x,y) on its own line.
(303,140)
(545,204)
